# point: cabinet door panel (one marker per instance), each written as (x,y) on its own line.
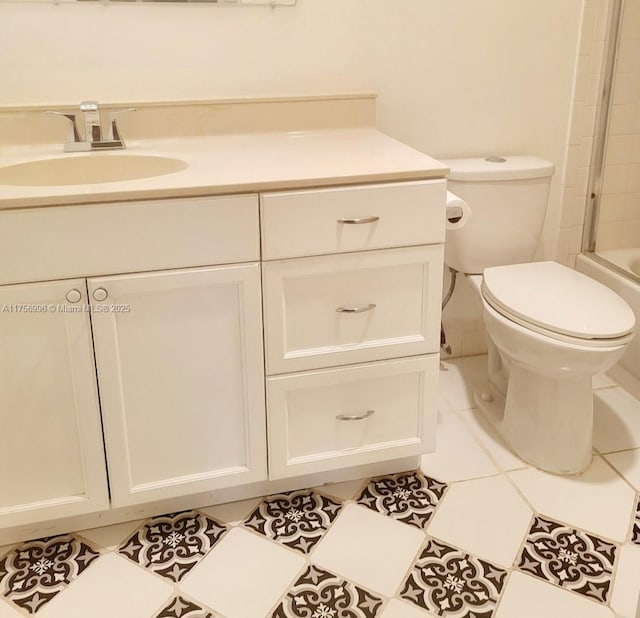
(51,453)
(181,380)
(312,221)
(355,307)
(333,418)
(123,237)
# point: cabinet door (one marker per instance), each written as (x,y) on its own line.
(51,453)
(180,369)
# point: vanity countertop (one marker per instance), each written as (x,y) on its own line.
(236,163)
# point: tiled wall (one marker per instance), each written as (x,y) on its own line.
(619,222)
(593,40)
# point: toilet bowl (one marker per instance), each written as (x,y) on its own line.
(550,328)
(542,357)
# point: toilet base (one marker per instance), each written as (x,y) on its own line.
(546,422)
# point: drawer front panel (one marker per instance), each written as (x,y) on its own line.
(359,307)
(344,219)
(41,244)
(333,418)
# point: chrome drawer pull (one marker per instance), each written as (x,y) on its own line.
(360,220)
(361,417)
(369,307)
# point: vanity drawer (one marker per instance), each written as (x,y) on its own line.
(38,244)
(352,308)
(343,219)
(334,418)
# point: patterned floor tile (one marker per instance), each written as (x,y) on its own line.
(35,572)
(408,497)
(179,607)
(320,594)
(635,534)
(448,582)
(569,558)
(297,519)
(171,545)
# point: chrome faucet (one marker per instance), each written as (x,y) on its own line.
(92,126)
(93,135)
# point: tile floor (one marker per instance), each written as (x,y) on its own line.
(474,533)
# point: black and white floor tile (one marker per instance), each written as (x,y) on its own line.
(35,572)
(569,558)
(449,582)
(320,594)
(179,607)
(171,545)
(410,497)
(180,564)
(635,534)
(297,519)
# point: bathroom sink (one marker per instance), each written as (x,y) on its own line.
(88,169)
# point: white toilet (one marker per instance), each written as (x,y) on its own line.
(550,328)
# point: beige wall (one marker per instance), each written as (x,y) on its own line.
(471,78)
(139,52)
(455,78)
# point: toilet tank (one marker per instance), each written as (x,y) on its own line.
(508,201)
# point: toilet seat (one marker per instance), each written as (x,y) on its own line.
(559,302)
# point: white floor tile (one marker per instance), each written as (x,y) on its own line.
(112,586)
(491,441)
(244,575)
(626,590)
(485,517)
(458,377)
(7,611)
(403,609)
(598,500)
(627,463)
(616,424)
(369,549)
(528,597)
(109,537)
(232,513)
(343,491)
(458,456)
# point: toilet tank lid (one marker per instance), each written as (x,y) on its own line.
(516,167)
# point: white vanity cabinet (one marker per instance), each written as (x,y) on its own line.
(51,454)
(352,276)
(181,380)
(178,354)
(221,346)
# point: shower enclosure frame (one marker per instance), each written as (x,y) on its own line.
(596,172)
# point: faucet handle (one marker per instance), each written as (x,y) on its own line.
(73,136)
(113,134)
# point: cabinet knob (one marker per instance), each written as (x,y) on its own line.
(74,296)
(100,294)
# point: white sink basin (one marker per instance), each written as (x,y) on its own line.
(88,169)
